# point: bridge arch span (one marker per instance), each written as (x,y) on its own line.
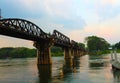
(24,29)
(22,26)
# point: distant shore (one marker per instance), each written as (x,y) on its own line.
(22,52)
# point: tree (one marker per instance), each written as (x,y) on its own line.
(20,52)
(56,51)
(95,43)
(117,45)
(82,45)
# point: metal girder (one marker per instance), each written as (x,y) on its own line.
(61,39)
(75,45)
(24,29)
(21,27)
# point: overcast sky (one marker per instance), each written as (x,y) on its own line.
(76,19)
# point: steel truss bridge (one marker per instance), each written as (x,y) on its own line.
(43,41)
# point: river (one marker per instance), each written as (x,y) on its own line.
(86,69)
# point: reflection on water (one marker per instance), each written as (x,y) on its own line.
(116,75)
(95,62)
(45,73)
(76,65)
(67,67)
(86,69)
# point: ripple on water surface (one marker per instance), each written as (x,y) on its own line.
(87,69)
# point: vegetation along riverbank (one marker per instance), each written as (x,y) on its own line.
(22,52)
(98,46)
(94,46)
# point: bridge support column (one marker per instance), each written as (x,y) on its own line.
(79,52)
(45,73)
(67,53)
(72,52)
(76,53)
(43,53)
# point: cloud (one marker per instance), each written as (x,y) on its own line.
(108,29)
(57,12)
(112,2)
(103,2)
(107,8)
(51,7)
(103,9)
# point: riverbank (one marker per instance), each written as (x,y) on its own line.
(22,52)
(118,50)
(98,53)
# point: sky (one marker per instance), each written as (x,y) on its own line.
(76,19)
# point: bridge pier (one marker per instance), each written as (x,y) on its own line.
(80,53)
(45,73)
(75,53)
(67,53)
(43,53)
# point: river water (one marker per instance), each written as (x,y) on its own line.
(86,69)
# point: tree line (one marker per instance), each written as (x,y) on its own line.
(98,45)
(22,52)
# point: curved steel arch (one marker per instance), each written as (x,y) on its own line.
(61,39)
(23,26)
(24,29)
(74,44)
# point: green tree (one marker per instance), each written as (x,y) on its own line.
(82,45)
(117,45)
(56,51)
(95,43)
(20,52)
